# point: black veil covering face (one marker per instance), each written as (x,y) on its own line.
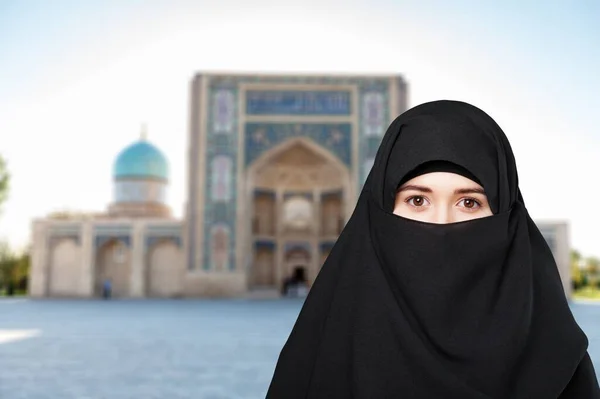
(408,309)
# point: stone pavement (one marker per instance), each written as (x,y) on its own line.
(142,349)
(155,349)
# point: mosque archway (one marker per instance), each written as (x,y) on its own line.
(286,189)
(65,267)
(113,262)
(164,270)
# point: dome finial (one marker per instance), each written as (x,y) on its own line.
(144,132)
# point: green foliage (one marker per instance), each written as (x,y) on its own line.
(577,277)
(587,292)
(585,276)
(593,265)
(14,270)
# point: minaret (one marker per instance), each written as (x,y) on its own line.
(144,133)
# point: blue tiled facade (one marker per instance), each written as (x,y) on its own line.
(296,102)
(220,212)
(226,110)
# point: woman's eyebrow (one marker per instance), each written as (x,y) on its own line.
(422,189)
(470,191)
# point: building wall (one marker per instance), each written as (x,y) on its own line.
(556,234)
(236,118)
(165,270)
(65,268)
(70,258)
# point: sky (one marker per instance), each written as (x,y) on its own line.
(79,78)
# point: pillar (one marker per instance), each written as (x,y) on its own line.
(316,235)
(88,259)
(138,267)
(38,277)
(279,243)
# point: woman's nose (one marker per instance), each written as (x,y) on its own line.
(443,215)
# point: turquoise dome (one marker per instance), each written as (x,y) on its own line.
(141,160)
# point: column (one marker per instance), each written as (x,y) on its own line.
(137,280)
(88,259)
(348,202)
(279,241)
(38,278)
(315,253)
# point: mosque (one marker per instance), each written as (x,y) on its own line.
(276,163)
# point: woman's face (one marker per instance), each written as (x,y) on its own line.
(441,197)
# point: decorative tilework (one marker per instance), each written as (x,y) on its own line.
(113,229)
(302,245)
(298,102)
(101,240)
(55,239)
(265,244)
(223,111)
(65,229)
(222,175)
(264,191)
(219,247)
(221,183)
(150,241)
(65,232)
(374,116)
(333,193)
(165,229)
(373,112)
(260,137)
(326,246)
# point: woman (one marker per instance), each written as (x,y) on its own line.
(440,285)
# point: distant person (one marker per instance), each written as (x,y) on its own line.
(287,283)
(295,286)
(107,289)
(440,286)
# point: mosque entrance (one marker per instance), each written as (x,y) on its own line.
(113,264)
(297,197)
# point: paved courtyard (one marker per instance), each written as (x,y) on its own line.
(155,349)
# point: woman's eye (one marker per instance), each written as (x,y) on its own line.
(469,203)
(417,201)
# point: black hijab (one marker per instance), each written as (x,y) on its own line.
(408,309)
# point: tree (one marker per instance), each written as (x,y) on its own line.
(4,181)
(593,267)
(8,263)
(575,255)
(14,269)
(22,271)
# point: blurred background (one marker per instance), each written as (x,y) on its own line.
(195,161)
